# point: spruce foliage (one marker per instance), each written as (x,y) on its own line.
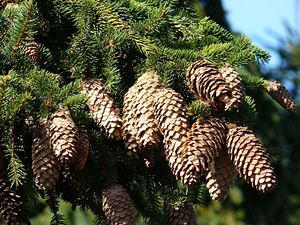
(115,41)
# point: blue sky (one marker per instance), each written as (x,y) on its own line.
(257,18)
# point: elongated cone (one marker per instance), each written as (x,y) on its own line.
(181,214)
(206,140)
(31,49)
(207,83)
(117,206)
(141,133)
(250,158)
(221,176)
(130,120)
(102,109)
(63,136)
(139,120)
(235,83)
(173,124)
(11,203)
(83,150)
(278,92)
(44,164)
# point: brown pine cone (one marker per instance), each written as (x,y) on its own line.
(63,136)
(139,120)
(206,140)
(83,150)
(44,164)
(221,176)
(130,120)
(278,92)
(31,49)
(250,158)
(11,203)
(206,82)
(117,206)
(102,109)
(235,83)
(181,214)
(173,123)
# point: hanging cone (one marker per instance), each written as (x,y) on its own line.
(235,83)
(173,122)
(250,158)
(181,214)
(140,126)
(83,150)
(31,49)
(221,177)
(129,120)
(102,109)
(206,140)
(208,84)
(44,163)
(117,206)
(11,203)
(278,92)
(141,133)
(43,26)
(63,136)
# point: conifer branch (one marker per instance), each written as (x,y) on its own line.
(27,18)
(16,168)
(53,203)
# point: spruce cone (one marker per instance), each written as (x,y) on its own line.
(10,203)
(235,83)
(221,177)
(63,136)
(181,214)
(250,159)
(83,150)
(44,163)
(208,84)
(278,92)
(117,206)
(102,109)
(173,122)
(140,126)
(129,120)
(44,26)
(206,140)
(31,49)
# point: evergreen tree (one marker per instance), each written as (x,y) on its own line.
(109,104)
